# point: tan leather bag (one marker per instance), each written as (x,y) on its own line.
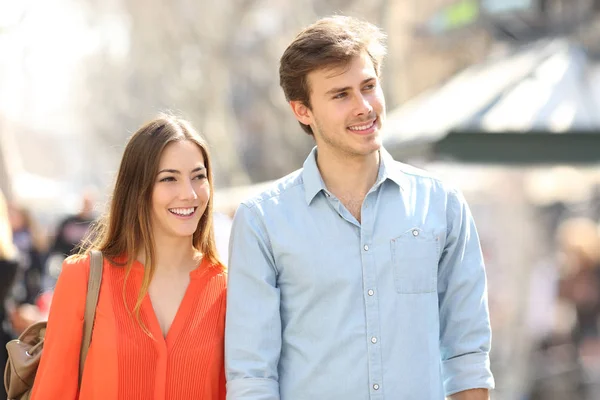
(24,353)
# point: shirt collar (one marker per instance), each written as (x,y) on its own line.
(389,169)
(313,182)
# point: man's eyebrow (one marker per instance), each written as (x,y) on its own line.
(174,171)
(343,89)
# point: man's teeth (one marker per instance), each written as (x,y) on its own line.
(361,127)
(182,211)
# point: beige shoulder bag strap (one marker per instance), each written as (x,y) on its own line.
(91,300)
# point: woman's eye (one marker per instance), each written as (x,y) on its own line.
(167,179)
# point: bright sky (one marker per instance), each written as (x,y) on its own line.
(42,46)
(41,43)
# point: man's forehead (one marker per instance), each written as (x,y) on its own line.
(333,76)
(334,71)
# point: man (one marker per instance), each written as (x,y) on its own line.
(356,277)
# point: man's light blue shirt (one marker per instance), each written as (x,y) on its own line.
(321,306)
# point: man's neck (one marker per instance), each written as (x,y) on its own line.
(346,175)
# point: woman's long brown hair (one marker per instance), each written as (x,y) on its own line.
(126,229)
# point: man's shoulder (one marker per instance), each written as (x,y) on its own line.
(418,178)
(289,185)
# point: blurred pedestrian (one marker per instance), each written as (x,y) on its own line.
(74,228)
(70,233)
(160,319)
(357,277)
(8,271)
(32,247)
(566,359)
(579,242)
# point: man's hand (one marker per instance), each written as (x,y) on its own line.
(473,394)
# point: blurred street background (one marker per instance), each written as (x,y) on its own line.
(500,97)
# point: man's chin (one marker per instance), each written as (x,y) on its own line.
(370,149)
(375,143)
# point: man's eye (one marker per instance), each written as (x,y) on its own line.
(369,87)
(340,95)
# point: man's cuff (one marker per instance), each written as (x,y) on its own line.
(252,389)
(471,371)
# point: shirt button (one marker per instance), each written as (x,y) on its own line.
(366,247)
(373,340)
(415,233)
(376,386)
(370,292)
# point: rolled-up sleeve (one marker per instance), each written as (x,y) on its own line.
(253,324)
(465,332)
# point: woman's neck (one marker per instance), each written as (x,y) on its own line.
(174,254)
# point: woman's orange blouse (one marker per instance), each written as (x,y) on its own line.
(123,361)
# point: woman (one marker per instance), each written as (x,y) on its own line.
(159,325)
(8,270)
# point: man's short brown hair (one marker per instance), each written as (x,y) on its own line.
(328,43)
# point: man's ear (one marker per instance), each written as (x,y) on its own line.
(301,111)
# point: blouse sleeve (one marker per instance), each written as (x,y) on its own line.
(58,373)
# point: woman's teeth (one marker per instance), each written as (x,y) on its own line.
(184,212)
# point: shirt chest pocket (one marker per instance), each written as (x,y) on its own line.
(415,262)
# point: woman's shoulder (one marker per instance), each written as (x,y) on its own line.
(218,268)
(76,267)
(215,270)
(71,286)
